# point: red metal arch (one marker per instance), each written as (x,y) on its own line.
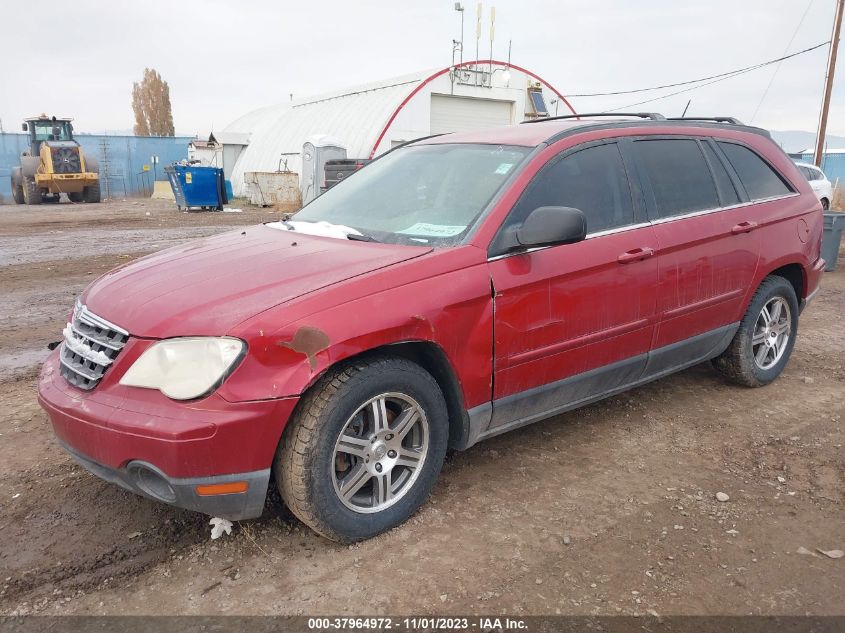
(428,80)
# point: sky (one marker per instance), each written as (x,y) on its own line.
(223,59)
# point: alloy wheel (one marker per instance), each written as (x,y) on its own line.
(771,333)
(380,452)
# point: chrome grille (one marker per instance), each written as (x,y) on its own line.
(90,346)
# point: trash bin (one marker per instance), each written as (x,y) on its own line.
(834,223)
(196,187)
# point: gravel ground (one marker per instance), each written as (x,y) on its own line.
(610,509)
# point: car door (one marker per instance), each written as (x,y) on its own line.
(573,321)
(708,247)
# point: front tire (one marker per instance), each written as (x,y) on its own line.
(363,449)
(31,192)
(764,341)
(92,193)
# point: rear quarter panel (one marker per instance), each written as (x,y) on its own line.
(791,228)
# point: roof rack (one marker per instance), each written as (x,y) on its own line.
(654,116)
(715,119)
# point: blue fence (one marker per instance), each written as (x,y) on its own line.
(833,165)
(123,157)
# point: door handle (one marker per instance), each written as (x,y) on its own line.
(744,227)
(636,255)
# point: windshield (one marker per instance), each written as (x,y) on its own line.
(423,194)
(51,131)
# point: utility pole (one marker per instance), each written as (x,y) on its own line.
(828,84)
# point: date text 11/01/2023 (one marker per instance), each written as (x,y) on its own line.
(427,623)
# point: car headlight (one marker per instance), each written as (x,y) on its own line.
(185,368)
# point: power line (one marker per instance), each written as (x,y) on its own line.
(722,77)
(777,68)
(728,74)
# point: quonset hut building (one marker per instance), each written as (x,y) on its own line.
(371,119)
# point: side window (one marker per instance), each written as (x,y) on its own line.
(592,180)
(815,174)
(727,191)
(808,173)
(679,176)
(760,180)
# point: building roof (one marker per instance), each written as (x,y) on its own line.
(359,116)
(350,114)
(812,150)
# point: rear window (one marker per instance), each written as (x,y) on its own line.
(814,174)
(679,176)
(760,180)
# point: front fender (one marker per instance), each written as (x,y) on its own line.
(453,311)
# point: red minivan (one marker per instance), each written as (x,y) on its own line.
(456,288)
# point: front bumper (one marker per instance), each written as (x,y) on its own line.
(66,183)
(162,449)
(148,481)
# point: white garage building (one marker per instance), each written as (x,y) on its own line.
(370,119)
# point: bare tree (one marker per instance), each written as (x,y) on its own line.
(151,105)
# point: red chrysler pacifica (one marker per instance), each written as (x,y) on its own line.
(456,288)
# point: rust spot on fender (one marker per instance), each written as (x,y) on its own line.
(309,341)
(419,319)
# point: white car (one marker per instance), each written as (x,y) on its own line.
(819,182)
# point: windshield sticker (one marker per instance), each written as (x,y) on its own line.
(504,168)
(433,230)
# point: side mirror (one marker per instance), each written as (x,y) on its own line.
(24,127)
(548,226)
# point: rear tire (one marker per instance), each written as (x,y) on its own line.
(764,341)
(17,192)
(76,196)
(92,193)
(825,204)
(31,193)
(392,416)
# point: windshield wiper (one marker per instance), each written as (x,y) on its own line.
(361,238)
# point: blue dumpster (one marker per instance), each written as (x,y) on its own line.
(196,187)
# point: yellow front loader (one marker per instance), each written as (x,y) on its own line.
(54,164)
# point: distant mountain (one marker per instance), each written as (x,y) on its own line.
(797,140)
(123,132)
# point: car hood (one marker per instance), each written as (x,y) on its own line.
(207,286)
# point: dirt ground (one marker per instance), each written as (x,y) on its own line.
(607,510)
